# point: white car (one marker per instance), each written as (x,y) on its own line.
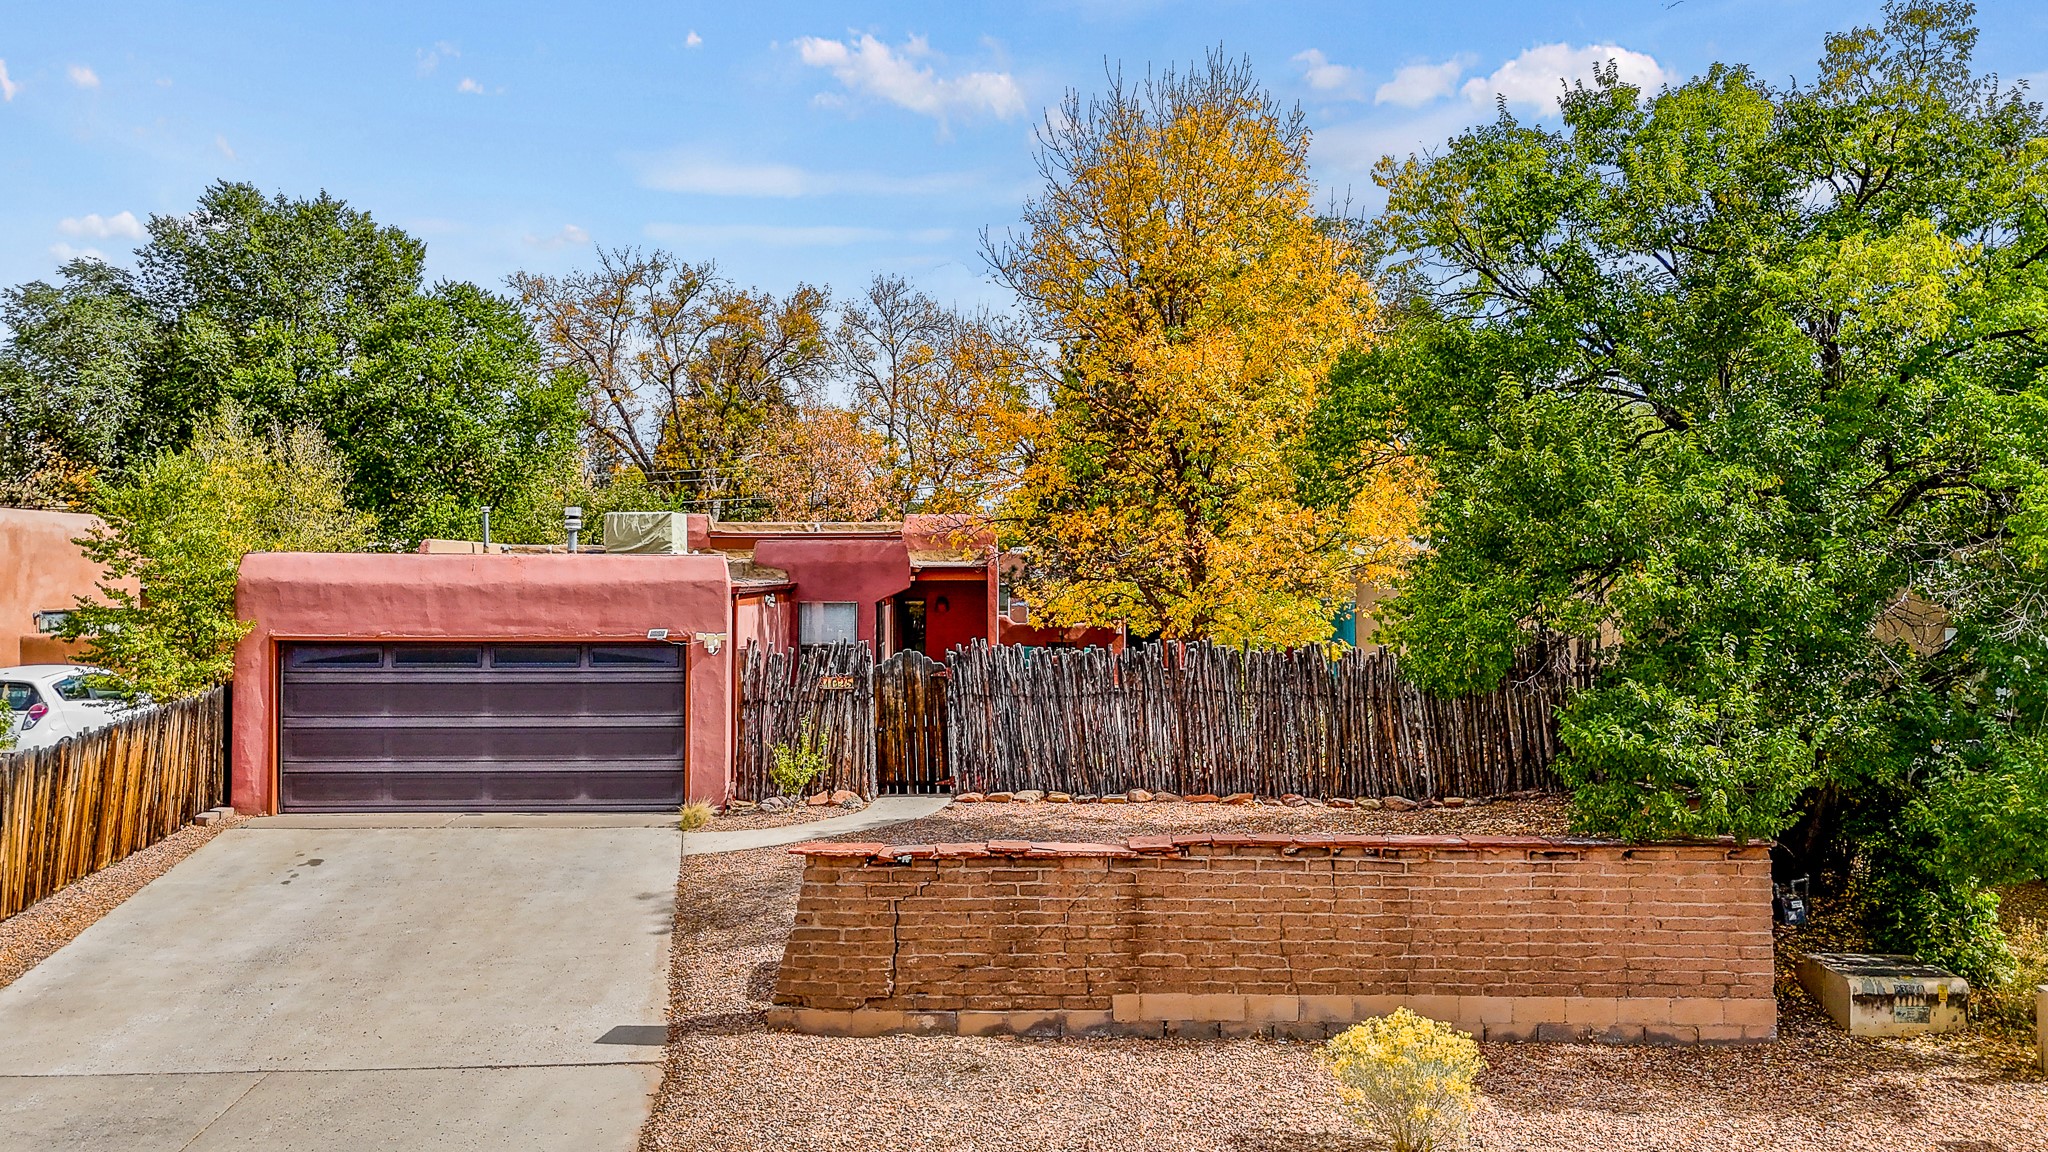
(47,702)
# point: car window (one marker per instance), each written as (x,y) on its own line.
(84,688)
(21,697)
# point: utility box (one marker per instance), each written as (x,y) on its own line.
(1885,995)
(646,533)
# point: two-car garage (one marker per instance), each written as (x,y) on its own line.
(440,726)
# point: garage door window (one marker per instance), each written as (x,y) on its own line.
(828,622)
(648,657)
(335,655)
(536,656)
(437,657)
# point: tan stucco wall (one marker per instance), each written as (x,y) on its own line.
(41,570)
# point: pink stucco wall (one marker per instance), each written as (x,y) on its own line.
(865,570)
(41,570)
(406,596)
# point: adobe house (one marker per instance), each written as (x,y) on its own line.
(467,677)
(42,575)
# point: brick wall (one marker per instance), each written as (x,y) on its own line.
(1512,938)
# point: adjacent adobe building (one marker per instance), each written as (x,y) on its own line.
(43,573)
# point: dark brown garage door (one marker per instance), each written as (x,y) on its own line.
(469,727)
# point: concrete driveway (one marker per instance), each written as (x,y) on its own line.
(308,984)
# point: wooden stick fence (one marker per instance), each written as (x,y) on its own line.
(1196,718)
(72,809)
(828,690)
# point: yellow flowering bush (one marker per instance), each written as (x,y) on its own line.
(1407,1078)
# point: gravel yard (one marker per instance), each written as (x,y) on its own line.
(743,821)
(732,1084)
(32,934)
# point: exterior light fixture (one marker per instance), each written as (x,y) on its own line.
(657,634)
(712,641)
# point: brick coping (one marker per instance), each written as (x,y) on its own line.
(1178,846)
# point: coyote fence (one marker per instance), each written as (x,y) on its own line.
(1197,718)
(827,691)
(69,810)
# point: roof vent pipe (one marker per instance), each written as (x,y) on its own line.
(487,527)
(572,518)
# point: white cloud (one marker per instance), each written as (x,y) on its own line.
(82,76)
(709,176)
(100,227)
(221,142)
(1322,75)
(470,86)
(868,66)
(791,235)
(430,58)
(7,87)
(1418,84)
(570,234)
(692,40)
(66,252)
(1540,75)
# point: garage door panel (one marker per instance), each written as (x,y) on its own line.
(393,727)
(472,742)
(347,696)
(373,790)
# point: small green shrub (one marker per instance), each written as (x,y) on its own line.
(695,815)
(1407,1079)
(797,765)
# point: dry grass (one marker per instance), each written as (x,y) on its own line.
(732,1084)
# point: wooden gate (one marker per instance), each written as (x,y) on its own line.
(910,724)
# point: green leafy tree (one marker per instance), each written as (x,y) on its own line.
(1746,383)
(302,312)
(164,621)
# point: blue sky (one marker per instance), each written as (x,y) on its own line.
(789,142)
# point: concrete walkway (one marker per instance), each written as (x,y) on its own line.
(884,811)
(331,988)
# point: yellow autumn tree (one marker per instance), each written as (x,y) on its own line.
(1195,303)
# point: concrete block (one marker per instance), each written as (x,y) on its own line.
(1870,995)
(1272,1009)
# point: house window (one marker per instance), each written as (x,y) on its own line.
(827,622)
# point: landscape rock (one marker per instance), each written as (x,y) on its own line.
(1205,798)
(1341,802)
(1454,801)
(1028,796)
(1059,798)
(820,800)
(1398,804)
(1238,798)
(842,795)
(1138,796)
(967,798)
(998,797)
(854,804)
(1086,798)
(1166,797)
(735,806)
(1294,800)
(1117,798)
(1370,803)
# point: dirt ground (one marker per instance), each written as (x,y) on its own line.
(731,1083)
